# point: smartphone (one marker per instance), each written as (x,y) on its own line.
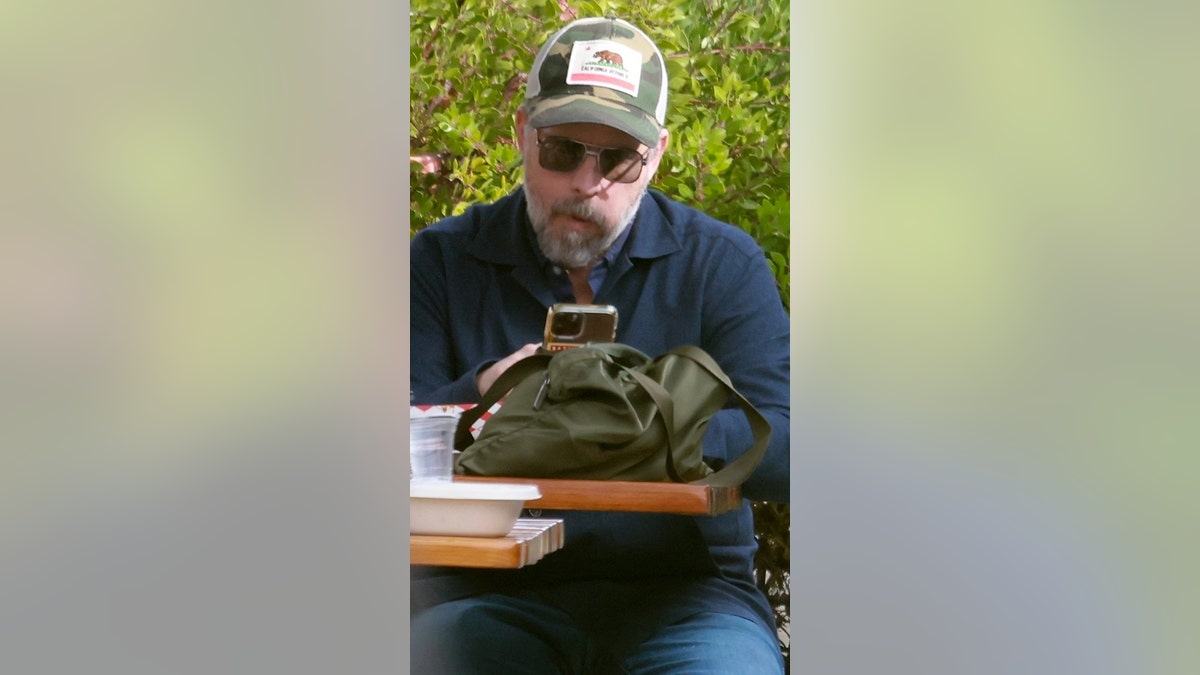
(569,325)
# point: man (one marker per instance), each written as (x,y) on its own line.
(629,592)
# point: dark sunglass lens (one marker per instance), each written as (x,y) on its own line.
(620,164)
(560,154)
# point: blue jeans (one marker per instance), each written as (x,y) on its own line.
(491,634)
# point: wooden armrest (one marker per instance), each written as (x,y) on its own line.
(528,542)
(611,495)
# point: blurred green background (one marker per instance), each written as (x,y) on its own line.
(201,344)
(994,264)
(192,225)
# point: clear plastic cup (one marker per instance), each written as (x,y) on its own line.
(431,447)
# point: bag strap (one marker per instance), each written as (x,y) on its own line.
(666,409)
(736,472)
(516,373)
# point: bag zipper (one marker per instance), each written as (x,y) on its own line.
(541,395)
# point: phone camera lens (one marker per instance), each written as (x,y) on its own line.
(567,325)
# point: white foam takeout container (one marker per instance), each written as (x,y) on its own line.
(466,509)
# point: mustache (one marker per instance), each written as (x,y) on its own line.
(578,209)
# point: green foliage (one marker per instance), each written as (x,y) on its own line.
(727,63)
(772,562)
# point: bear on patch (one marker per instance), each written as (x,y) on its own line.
(611,58)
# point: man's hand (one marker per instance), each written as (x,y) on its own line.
(488,376)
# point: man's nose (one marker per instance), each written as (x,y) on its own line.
(587,177)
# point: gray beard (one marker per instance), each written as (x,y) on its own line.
(572,249)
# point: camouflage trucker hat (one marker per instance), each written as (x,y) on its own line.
(602,71)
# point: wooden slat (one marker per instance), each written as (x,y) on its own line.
(610,495)
(528,542)
(464,551)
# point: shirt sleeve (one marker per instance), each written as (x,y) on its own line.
(747,333)
(432,363)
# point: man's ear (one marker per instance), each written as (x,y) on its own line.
(520,128)
(664,139)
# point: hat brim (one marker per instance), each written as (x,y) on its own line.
(548,111)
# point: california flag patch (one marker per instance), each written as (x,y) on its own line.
(602,63)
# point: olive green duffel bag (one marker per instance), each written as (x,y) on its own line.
(607,411)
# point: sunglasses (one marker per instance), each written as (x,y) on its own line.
(619,165)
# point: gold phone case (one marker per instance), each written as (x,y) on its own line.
(571,325)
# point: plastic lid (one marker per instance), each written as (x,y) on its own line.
(465,490)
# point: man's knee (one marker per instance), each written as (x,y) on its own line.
(451,619)
(455,637)
(709,643)
(485,635)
